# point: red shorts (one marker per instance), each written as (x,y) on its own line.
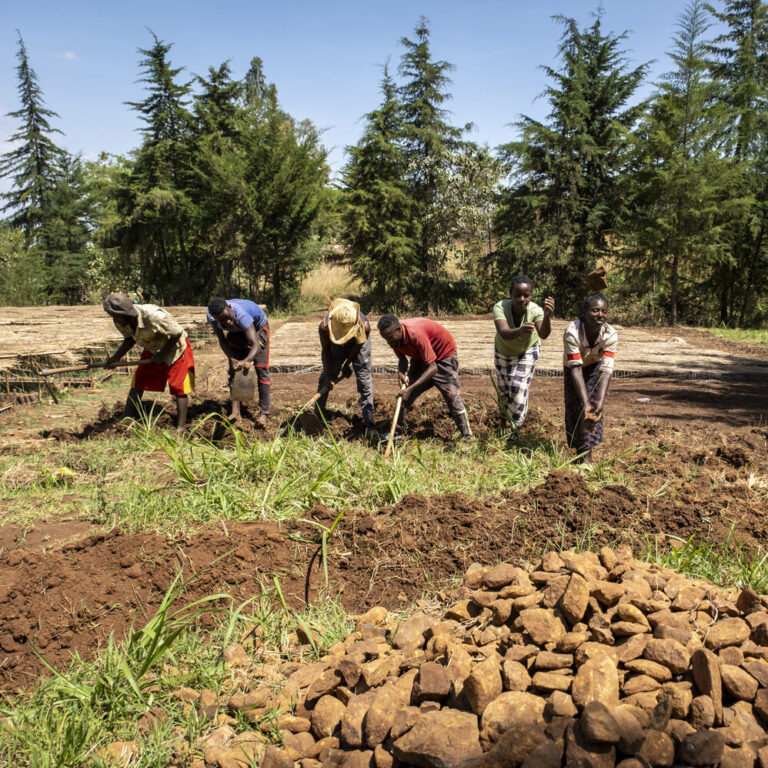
(180,376)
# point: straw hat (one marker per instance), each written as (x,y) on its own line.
(343,320)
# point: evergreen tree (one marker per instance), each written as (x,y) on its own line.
(675,198)
(284,173)
(428,144)
(377,217)
(33,162)
(739,64)
(158,210)
(565,197)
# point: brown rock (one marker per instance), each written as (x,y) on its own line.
(761,704)
(483,685)
(561,705)
(445,739)
(324,685)
(639,684)
(630,731)
(650,668)
(503,574)
(628,612)
(352,722)
(631,648)
(586,564)
(356,759)
(327,716)
(701,748)
(570,641)
(679,729)
(502,610)
(598,724)
(302,744)
(741,757)
(120,752)
(670,653)
(377,671)
(628,628)
(580,751)
(473,576)
(551,562)
(731,655)
(758,669)
(575,599)
(389,700)
(681,697)
(607,592)
(376,615)
(739,683)
(702,712)
(410,634)
(733,631)
(542,625)
(273,758)
(404,721)
(658,749)
(596,680)
(554,591)
(516,745)
(546,661)
(236,656)
(294,724)
(507,709)
(552,681)
(514,676)
(706,674)
(432,683)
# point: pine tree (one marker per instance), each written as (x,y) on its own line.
(377,218)
(33,163)
(564,200)
(675,197)
(428,144)
(739,64)
(158,210)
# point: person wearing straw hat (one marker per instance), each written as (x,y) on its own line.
(246,343)
(165,343)
(345,346)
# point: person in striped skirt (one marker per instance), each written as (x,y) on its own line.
(520,325)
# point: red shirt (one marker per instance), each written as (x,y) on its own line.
(425,340)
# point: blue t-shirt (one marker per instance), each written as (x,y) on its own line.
(246,314)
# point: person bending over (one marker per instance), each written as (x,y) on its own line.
(246,342)
(164,342)
(433,363)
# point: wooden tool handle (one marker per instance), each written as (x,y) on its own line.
(89,366)
(392,429)
(327,388)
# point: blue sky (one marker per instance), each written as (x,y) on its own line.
(324,57)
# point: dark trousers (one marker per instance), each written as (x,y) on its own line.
(361,366)
(238,342)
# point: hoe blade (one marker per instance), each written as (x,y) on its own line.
(310,423)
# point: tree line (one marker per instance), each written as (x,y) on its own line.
(228,193)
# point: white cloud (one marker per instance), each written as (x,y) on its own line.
(67,56)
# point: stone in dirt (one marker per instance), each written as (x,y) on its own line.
(517,744)
(580,751)
(514,676)
(706,674)
(236,656)
(657,749)
(669,653)
(410,634)
(273,758)
(503,574)
(327,716)
(483,685)
(598,724)
(738,683)
(596,680)
(388,702)
(352,722)
(732,631)
(701,748)
(445,739)
(506,710)
(542,625)
(432,683)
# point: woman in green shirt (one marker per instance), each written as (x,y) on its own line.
(520,324)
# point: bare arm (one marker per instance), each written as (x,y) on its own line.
(503,329)
(253,343)
(544,326)
(602,390)
(128,343)
(423,379)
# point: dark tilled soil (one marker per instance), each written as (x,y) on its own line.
(699,474)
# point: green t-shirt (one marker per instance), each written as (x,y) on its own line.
(502,310)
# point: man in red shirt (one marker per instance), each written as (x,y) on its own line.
(433,362)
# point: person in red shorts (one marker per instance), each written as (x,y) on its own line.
(165,343)
(433,363)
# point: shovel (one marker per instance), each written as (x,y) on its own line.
(309,421)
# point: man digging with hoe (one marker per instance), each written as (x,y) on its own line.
(165,345)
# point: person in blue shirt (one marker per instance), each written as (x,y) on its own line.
(246,342)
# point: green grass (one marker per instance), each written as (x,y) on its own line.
(65,720)
(757,336)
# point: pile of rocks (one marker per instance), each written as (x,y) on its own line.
(586,660)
